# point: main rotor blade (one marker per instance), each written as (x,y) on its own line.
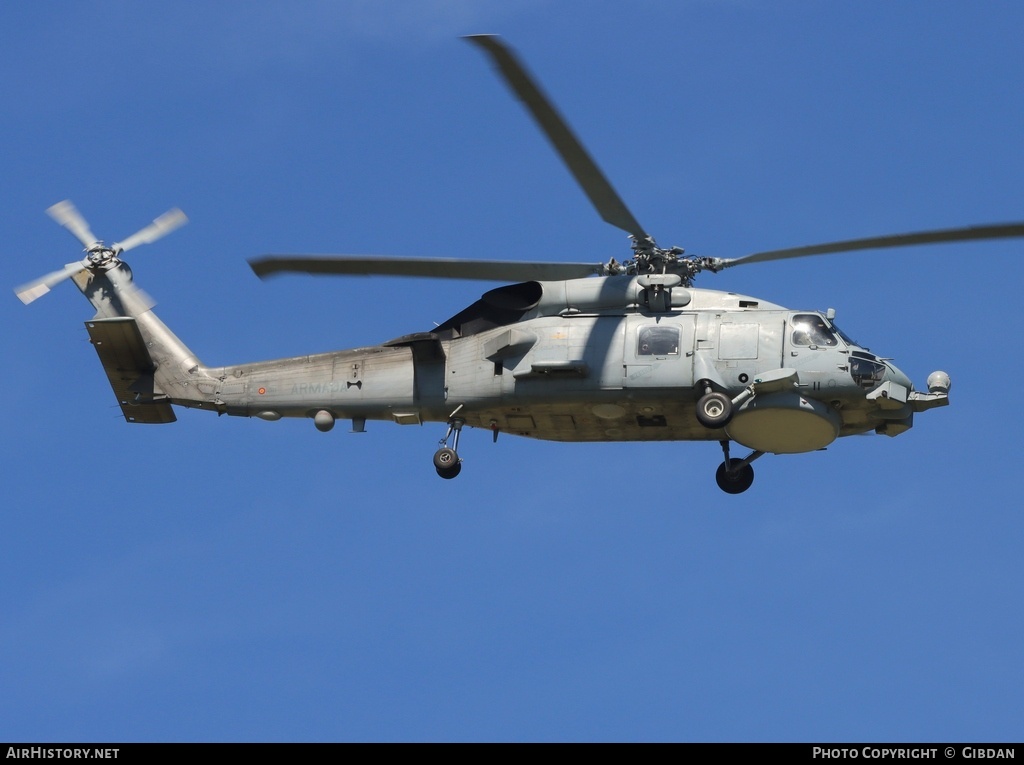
(968,233)
(583,168)
(435,268)
(162,226)
(39,287)
(67,215)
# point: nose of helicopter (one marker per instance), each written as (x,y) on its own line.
(894,374)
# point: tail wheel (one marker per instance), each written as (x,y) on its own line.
(714,410)
(447,463)
(449,473)
(734,479)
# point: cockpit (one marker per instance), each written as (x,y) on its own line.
(810,329)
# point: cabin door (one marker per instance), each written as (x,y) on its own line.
(658,351)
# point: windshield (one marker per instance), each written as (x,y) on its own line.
(846,338)
(812,329)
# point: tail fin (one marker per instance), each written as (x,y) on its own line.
(146,363)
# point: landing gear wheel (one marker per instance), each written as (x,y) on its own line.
(714,410)
(447,463)
(734,479)
(449,473)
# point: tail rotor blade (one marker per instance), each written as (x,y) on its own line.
(142,301)
(67,215)
(161,227)
(39,287)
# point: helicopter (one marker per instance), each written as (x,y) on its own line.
(574,352)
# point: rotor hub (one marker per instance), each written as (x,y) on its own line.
(648,258)
(101,256)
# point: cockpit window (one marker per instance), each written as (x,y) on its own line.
(846,338)
(867,373)
(811,329)
(658,341)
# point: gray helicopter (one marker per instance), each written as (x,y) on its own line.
(613,351)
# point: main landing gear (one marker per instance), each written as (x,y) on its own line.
(446,459)
(734,476)
(714,410)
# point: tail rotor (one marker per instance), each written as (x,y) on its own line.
(98,255)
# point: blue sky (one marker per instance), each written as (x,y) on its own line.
(230,579)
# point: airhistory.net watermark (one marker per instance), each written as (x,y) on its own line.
(61,753)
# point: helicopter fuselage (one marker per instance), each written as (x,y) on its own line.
(598,359)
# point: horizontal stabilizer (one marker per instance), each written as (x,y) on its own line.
(129,368)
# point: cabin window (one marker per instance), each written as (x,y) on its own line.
(811,329)
(658,341)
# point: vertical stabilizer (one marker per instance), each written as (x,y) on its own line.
(147,364)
